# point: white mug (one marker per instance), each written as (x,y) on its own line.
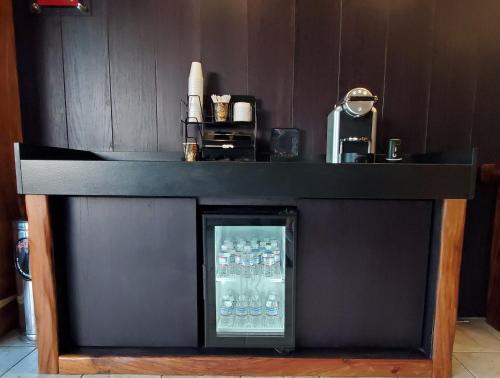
(242,112)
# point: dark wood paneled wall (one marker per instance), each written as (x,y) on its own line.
(10,132)
(113,81)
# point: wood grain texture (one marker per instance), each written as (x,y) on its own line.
(41,72)
(317,32)
(408,75)
(486,127)
(224,46)
(10,132)
(178,44)
(338,266)
(44,290)
(452,231)
(253,366)
(8,317)
(270,67)
(363,48)
(490,173)
(453,92)
(103,254)
(493,299)
(86,75)
(133,74)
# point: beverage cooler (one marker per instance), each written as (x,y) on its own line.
(249,270)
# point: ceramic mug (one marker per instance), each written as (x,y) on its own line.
(242,112)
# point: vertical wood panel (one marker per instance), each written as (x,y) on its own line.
(41,72)
(317,31)
(10,132)
(178,44)
(408,71)
(88,101)
(493,303)
(270,63)
(224,33)
(453,92)
(363,44)
(133,74)
(44,290)
(155,249)
(486,127)
(476,251)
(452,233)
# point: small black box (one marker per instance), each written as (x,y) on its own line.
(285,144)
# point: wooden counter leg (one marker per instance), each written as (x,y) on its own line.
(493,302)
(451,240)
(44,289)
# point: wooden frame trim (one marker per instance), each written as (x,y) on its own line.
(44,285)
(490,174)
(450,257)
(493,301)
(440,366)
(254,366)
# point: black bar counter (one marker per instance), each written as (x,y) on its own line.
(52,171)
(116,253)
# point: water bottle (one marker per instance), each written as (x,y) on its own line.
(240,243)
(274,243)
(234,262)
(224,259)
(247,262)
(241,311)
(255,311)
(254,243)
(226,311)
(272,311)
(277,262)
(267,264)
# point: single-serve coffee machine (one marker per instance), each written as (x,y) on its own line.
(352,128)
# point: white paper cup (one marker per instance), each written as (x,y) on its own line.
(242,112)
(195,87)
(195,110)
(196,70)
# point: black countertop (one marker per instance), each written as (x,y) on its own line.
(56,171)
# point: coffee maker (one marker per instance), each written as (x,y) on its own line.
(352,128)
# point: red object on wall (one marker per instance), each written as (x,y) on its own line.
(58,3)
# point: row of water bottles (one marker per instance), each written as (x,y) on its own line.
(249,311)
(249,257)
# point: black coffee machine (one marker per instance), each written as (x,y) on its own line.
(352,128)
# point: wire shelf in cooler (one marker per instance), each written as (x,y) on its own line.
(238,278)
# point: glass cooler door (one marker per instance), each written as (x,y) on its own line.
(249,279)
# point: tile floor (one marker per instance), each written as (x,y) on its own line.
(476,354)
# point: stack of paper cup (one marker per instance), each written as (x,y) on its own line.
(195,93)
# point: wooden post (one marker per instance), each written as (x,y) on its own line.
(452,234)
(44,289)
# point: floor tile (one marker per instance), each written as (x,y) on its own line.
(9,356)
(459,371)
(482,323)
(475,336)
(14,338)
(481,365)
(120,376)
(28,365)
(26,375)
